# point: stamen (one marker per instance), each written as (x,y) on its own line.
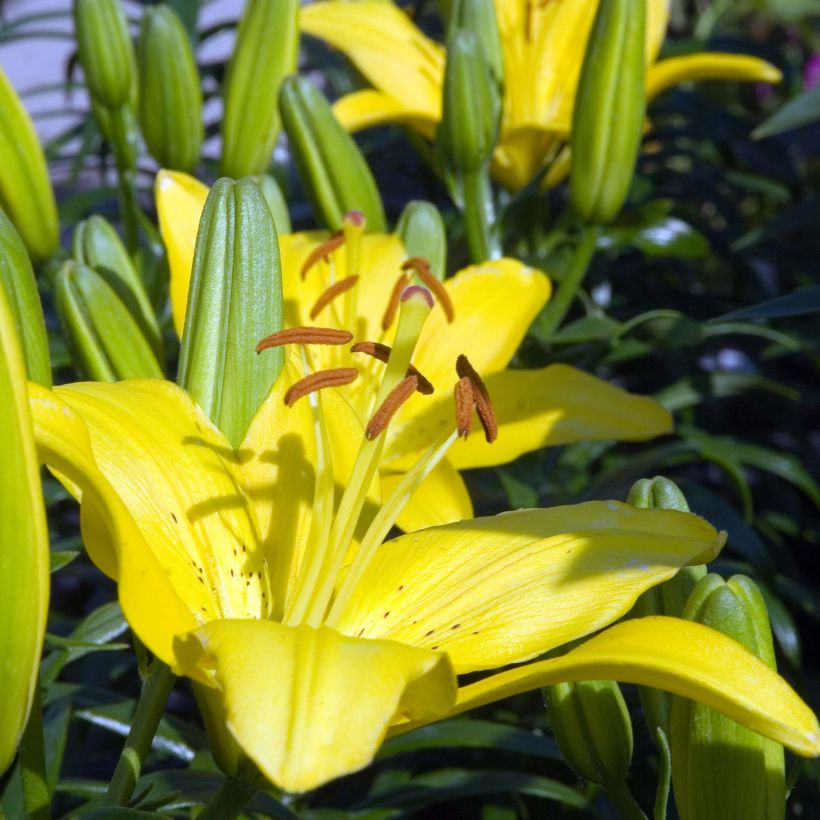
(393,302)
(464,405)
(331,293)
(318,381)
(305,336)
(422,268)
(322,251)
(382,353)
(395,399)
(481,398)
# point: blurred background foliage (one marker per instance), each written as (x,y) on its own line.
(705,293)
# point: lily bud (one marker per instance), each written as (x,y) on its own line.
(331,167)
(721,770)
(609,110)
(17,278)
(267,44)
(105,50)
(276,202)
(592,728)
(24,572)
(119,127)
(170,98)
(234,300)
(421,229)
(479,17)
(99,246)
(106,341)
(26,195)
(668,598)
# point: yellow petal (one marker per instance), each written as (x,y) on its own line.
(113,539)
(385,45)
(180,199)
(679,656)
(307,705)
(493,591)
(556,405)
(708,66)
(523,150)
(441,499)
(369,108)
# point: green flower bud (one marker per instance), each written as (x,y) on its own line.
(170,98)
(119,127)
(105,50)
(668,598)
(276,202)
(331,167)
(479,17)
(99,246)
(24,571)
(469,123)
(421,229)
(106,341)
(609,110)
(26,195)
(267,44)
(721,770)
(592,728)
(234,301)
(17,278)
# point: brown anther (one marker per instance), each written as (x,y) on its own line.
(382,353)
(395,399)
(322,251)
(463,394)
(481,397)
(393,301)
(318,381)
(422,268)
(305,336)
(331,293)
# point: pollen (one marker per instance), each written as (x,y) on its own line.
(318,381)
(393,302)
(336,289)
(305,336)
(395,399)
(322,251)
(464,406)
(382,353)
(481,398)
(422,268)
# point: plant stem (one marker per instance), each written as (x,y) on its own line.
(479,215)
(36,797)
(568,287)
(151,704)
(229,800)
(628,808)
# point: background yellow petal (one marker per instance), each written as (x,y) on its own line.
(369,108)
(556,405)
(110,534)
(492,591)
(708,66)
(441,499)
(180,199)
(681,657)
(385,45)
(312,705)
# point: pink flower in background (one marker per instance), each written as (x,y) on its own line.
(811,72)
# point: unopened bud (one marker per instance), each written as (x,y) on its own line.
(421,229)
(276,202)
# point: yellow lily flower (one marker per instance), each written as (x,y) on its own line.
(543,48)
(484,310)
(261,573)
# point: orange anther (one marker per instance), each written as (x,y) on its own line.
(305,336)
(322,251)
(318,381)
(464,406)
(481,398)
(395,399)
(382,353)
(422,268)
(331,293)
(393,302)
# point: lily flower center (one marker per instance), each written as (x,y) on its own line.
(344,536)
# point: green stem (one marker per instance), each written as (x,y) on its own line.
(229,800)
(151,704)
(562,299)
(628,808)
(479,215)
(36,797)
(664,775)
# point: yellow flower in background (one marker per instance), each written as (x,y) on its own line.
(543,47)
(261,572)
(352,281)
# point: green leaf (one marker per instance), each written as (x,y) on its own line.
(62,559)
(793,304)
(803,109)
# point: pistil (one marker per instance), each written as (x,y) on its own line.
(422,268)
